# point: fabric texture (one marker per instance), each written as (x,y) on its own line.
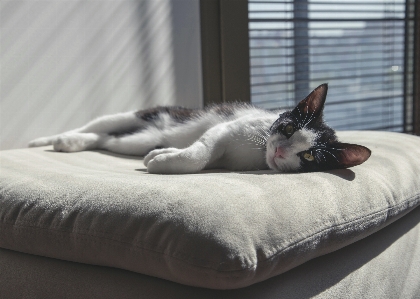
(214,229)
(383,265)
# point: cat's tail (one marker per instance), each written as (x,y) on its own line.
(43,141)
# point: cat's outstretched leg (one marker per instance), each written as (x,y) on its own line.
(137,144)
(90,135)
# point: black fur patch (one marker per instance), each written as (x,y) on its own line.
(125,132)
(179,114)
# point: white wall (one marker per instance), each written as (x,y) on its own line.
(65,62)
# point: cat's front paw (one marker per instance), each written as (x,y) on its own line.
(172,161)
(162,161)
(154,153)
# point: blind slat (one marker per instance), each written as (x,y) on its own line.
(355,46)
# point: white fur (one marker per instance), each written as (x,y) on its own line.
(226,145)
(208,141)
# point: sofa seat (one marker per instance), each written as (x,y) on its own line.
(103,213)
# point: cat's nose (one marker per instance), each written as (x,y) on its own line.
(280,152)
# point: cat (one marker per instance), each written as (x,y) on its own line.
(237,137)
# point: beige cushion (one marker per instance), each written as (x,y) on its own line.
(385,265)
(213,229)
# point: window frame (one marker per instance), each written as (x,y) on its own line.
(225,51)
(416,69)
(226,65)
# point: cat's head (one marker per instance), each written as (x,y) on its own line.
(301,141)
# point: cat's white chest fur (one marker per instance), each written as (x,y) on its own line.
(244,148)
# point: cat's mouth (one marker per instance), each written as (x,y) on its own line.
(277,153)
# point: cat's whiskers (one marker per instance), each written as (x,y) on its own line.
(319,152)
(329,147)
(328,152)
(258,137)
(300,114)
(261,134)
(311,118)
(258,140)
(337,149)
(297,125)
(316,157)
(257,148)
(306,115)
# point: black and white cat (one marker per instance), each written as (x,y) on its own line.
(236,137)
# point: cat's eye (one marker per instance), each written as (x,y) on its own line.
(308,157)
(289,129)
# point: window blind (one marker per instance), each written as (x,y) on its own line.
(358,47)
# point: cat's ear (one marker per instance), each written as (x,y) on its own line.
(313,104)
(345,155)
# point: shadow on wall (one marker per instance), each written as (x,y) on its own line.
(63,63)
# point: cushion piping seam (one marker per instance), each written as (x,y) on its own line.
(289,246)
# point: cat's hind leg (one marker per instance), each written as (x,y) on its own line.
(74,139)
(137,144)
